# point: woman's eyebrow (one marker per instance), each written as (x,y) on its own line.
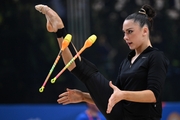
(127,29)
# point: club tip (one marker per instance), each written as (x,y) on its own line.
(90,41)
(93,38)
(68,37)
(41,89)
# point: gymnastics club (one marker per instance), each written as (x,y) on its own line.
(65,43)
(87,44)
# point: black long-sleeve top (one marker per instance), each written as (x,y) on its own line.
(148,72)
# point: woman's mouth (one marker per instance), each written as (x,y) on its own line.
(129,43)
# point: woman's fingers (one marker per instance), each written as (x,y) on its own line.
(63,99)
(110,106)
(114,97)
(111,85)
(63,94)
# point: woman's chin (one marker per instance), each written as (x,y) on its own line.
(131,48)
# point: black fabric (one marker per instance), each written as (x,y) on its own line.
(148,72)
(86,68)
(61,33)
(98,87)
(131,77)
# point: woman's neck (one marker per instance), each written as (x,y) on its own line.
(141,48)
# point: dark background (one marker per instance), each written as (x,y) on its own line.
(28,50)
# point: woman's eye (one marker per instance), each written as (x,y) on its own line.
(129,31)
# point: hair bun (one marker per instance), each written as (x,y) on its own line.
(150,12)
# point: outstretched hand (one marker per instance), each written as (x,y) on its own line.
(70,96)
(115,97)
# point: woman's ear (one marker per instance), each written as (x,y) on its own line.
(145,31)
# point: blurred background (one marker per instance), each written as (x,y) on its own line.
(28,50)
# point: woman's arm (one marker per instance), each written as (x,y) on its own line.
(145,96)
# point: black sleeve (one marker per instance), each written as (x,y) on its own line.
(158,65)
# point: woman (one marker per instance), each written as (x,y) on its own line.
(137,92)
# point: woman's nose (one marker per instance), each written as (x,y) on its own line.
(125,37)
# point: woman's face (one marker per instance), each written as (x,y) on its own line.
(133,34)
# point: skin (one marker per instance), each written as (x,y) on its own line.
(136,37)
(54,22)
(74,96)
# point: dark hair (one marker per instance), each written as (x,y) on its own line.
(144,16)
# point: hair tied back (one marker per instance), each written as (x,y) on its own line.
(142,11)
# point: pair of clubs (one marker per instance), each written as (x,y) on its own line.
(66,41)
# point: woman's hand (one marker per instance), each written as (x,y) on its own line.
(70,96)
(115,97)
